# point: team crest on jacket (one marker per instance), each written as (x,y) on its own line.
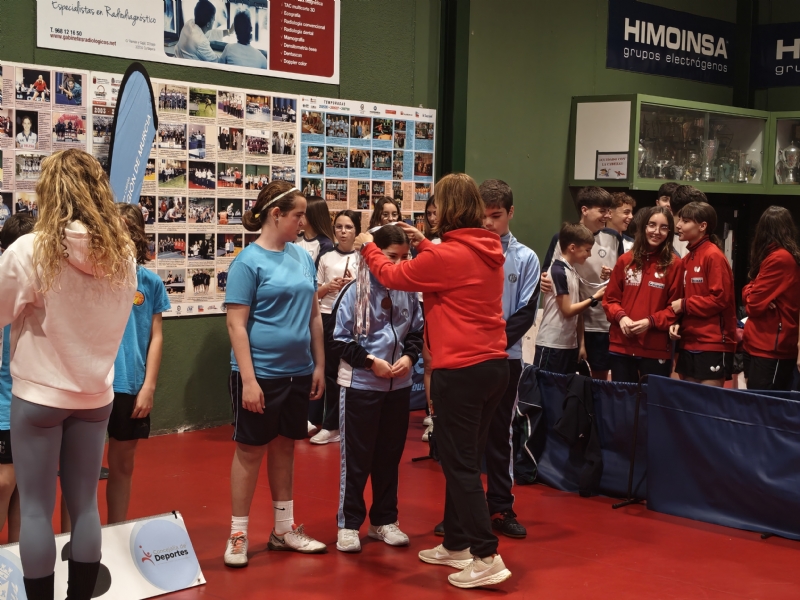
(658,275)
(138,298)
(697,269)
(633,277)
(512,278)
(602,252)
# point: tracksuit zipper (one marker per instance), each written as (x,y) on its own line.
(391,324)
(778,335)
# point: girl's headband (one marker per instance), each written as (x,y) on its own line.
(374,229)
(274,200)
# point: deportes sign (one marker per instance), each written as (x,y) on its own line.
(649,39)
(141,559)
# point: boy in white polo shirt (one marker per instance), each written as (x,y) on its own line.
(559,342)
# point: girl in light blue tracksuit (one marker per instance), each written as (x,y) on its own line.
(375,375)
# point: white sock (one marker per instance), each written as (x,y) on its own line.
(239,525)
(284,516)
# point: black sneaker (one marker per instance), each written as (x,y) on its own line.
(507,524)
(439,529)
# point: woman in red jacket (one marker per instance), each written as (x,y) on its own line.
(638,301)
(462,284)
(772,302)
(707,331)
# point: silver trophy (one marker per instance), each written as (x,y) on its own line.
(790,157)
(709,150)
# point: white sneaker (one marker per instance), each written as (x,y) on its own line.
(427,421)
(326,437)
(236,550)
(442,556)
(427,433)
(312,429)
(347,540)
(295,541)
(390,534)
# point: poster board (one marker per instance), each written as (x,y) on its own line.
(216,147)
(292,39)
(141,559)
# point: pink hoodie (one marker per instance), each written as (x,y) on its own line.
(63,342)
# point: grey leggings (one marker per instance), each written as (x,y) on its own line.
(39,435)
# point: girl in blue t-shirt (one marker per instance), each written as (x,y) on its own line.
(277,364)
(135,371)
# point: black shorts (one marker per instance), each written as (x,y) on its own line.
(769,373)
(704,366)
(5,447)
(596,343)
(556,360)
(285,410)
(121,426)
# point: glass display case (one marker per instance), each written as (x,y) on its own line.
(786,150)
(699,146)
(712,147)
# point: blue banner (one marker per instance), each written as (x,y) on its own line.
(659,41)
(776,55)
(132,135)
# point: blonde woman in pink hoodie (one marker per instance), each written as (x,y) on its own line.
(67,289)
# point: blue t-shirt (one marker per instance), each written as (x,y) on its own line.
(279,288)
(150,299)
(5,379)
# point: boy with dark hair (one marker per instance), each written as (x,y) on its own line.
(622,206)
(681,196)
(520,303)
(664,196)
(560,341)
(594,206)
(15,227)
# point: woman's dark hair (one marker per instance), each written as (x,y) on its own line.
(388,235)
(375,220)
(134,220)
(353,216)
(775,229)
(428,231)
(254,218)
(204,13)
(641,247)
(243,28)
(701,212)
(318,216)
(15,227)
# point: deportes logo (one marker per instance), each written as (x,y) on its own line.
(164,555)
(512,278)
(138,298)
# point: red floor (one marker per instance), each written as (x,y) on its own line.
(576,547)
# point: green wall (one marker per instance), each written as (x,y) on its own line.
(527,58)
(389,54)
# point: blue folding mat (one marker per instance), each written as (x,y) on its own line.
(614,404)
(724,456)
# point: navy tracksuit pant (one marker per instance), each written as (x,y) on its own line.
(373,426)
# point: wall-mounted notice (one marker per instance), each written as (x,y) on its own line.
(42,110)
(293,39)
(352,153)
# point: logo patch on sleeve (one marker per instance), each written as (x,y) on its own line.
(138,298)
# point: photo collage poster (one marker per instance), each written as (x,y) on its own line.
(42,110)
(215,149)
(353,153)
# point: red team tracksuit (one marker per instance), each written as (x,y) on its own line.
(708,323)
(645,294)
(771,334)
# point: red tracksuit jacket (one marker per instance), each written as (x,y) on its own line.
(772,332)
(709,311)
(645,294)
